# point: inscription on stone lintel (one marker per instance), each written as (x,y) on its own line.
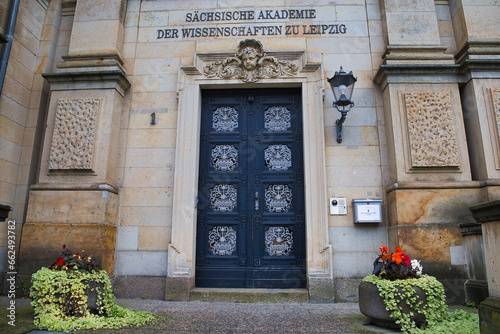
(255,24)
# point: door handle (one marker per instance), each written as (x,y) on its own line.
(256,200)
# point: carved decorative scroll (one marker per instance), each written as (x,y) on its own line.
(74,134)
(250,64)
(431,130)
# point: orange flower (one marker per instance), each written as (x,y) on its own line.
(384,249)
(386,257)
(398,249)
(396,257)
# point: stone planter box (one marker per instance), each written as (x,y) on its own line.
(373,306)
(92,292)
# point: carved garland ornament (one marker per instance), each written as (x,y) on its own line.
(74,134)
(250,64)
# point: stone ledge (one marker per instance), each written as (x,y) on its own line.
(89,79)
(144,287)
(434,185)
(75,186)
(249,295)
(486,212)
(489,316)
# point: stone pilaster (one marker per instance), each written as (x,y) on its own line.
(488,215)
(430,177)
(478,55)
(75,201)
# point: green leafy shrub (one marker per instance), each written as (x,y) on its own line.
(59,297)
(456,322)
(395,291)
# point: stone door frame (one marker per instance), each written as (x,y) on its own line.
(191,81)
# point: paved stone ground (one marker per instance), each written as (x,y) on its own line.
(215,318)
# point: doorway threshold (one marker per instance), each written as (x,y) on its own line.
(249,295)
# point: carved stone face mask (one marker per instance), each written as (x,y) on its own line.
(249,59)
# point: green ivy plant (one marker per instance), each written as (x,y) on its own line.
(395,291)
(59,297)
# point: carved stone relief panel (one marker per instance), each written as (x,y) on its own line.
(74,134)
(495,95)
(431,130)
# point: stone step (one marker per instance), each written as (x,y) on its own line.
(250,295)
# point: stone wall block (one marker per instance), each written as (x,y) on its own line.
(42,244)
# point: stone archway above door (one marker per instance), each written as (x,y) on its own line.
(200,75)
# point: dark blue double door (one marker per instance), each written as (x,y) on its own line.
(250,225)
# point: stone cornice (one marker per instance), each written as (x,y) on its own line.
(470,228)
(443,185)
(479,58)
(486,212)
(82,79)
(417,73)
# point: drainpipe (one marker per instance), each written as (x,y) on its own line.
(4,57)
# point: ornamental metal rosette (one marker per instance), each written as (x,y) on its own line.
(223,197)
(279,240)
(278,157)
(250,64)
(222,240)
(277,119)
(224,157)
(225,119)
(278,198)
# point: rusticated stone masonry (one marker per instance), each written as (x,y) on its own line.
(74,134)
(431,130)
(495,94)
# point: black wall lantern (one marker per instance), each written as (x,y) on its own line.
(342,85)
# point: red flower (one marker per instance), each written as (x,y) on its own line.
(64,246)
(406,259)
(60,261)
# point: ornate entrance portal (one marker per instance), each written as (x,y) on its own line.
(251,219)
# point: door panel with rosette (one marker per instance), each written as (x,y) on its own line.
(250,227)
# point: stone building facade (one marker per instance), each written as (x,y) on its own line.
(118,136)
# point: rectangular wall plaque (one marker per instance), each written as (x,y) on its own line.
(368,210)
